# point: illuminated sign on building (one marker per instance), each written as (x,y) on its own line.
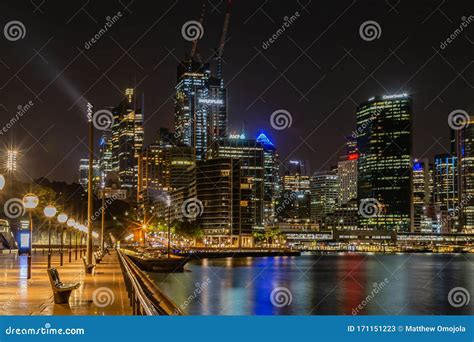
(211,101)
(396,96)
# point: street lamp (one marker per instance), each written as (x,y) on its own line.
(30,202)
(70,223)
(2,182)
(62,218)
(49,212)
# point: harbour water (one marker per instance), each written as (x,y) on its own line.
(339,284)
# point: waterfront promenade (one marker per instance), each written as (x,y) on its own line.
(101,293)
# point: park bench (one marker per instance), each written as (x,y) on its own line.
(89,267)
(61,291)
(98,257)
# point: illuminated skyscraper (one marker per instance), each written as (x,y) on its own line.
(84,173)
(271,185)
(347,174)
(446,190)
(105,152)
(324,196)
(200,107)
(251,156)
(422,196)
(127,142)
(384,142)
(294,204)
(463,148)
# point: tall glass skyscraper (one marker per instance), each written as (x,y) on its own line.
(384,142)
(127,142)
(200,107)
(271,184)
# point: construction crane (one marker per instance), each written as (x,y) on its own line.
(220,50)
(201,21)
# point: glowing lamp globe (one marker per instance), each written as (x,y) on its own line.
(49,211)
(30,201)
(2,182)
(62,218)
(70,222)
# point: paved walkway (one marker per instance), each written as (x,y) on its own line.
(101,293)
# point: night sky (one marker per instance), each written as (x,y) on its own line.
(319,69)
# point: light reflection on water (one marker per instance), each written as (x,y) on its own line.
(416,284)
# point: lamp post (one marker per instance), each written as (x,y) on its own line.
(70,223)
(62,218)
(90,177)
(168,204)
(30,202)
(49,211)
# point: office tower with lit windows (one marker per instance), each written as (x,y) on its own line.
(127,141)
(324,187)
(84,174)
(347,173)
(423,210)
(224,192)
(105,157)
(271,186)
(200,107)
(463,148)
(296,167)
(446,191)
(294,204)
(384,172)
(251,156)
(164,169)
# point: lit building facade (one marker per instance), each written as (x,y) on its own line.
(446,191)
(200,107)
(105,153)
(271,186)
(384,174)
(423,196)
(347,176)
(294,204)
(324,196)
(224,192)
(251,156)
(84,173)
(127,142)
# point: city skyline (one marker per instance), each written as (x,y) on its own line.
(335,118)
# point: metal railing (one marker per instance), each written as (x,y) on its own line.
(145,297)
